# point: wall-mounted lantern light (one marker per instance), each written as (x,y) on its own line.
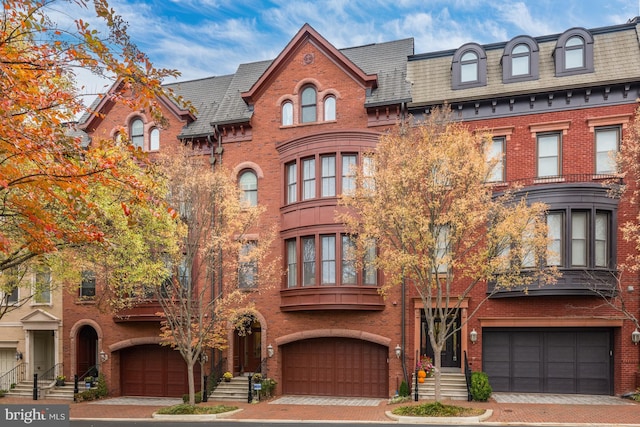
(398,351)
(270,350)
(473,336)
(18,355)
(635,337)
(103,356)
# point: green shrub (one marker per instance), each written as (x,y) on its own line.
(101,387)
(436,409)
(186,409)
(480,388)
(404,389)
(3,392)
(268,386)
(198,397)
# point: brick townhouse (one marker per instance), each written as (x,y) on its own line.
(291,128)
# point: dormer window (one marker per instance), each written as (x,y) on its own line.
(308,105)
(520,60)
(469,67)
(574,53)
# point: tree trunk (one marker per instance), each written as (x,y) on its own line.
(192,386)
(437,360)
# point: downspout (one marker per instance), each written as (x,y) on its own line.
(403,298)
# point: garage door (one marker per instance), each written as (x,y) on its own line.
(335,367)
(153,370)
(548,360)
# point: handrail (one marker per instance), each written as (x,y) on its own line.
(467,376)
(217,371)
(49,375)
(91,372)
(14,376)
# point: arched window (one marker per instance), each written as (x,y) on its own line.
(137,133)
(329,108)
(574,53)
(469,67)
(154,139)
(249,187)
(308,105)
(287,114)
(520,60)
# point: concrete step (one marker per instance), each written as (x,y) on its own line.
(235,390)
(452,386)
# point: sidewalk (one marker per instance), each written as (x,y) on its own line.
(623,412)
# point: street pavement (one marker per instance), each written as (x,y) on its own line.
(544,409)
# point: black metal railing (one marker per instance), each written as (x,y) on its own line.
(218,370)
(13,377)
(91,372)
(607,180)
(49,376)
(467,376)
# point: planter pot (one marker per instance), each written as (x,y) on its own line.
(227,380)
(60,383)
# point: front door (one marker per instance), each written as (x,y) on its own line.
(42,356)
(450,354)
(247,350)
(86,351)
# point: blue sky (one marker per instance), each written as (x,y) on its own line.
(202,38)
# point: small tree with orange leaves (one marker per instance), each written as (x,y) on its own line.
(424,200)
(224,257)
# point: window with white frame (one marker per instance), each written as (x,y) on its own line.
(42,285)
(308,178)
(137,133)
(329,108)
(248,266)
(349,162)
(328,176)
(292,183)
(549,149)
(249,188)
(308,105)
(496,156)
(469,67)
(287,113)
(607,145)
(88,284)
(154,139)
(573,53)
(328,259)
(292,263)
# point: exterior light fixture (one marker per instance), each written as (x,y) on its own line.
(18,355)
(270,350)
(103,356)
(398,351)
(635,336)
(473,336)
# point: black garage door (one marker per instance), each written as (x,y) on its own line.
(154,370)
(548,360)
(335,367)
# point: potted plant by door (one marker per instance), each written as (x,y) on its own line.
(227,376)
(60,380)
(88,382)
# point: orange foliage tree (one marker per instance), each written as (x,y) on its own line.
(46,171)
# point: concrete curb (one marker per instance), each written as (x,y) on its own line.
(440,420)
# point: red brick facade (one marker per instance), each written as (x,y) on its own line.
(262,144)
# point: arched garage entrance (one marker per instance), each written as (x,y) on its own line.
(335,366)
(154,370)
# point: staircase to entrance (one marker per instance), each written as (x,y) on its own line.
(453,385)
(235,390)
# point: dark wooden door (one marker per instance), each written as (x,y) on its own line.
(450,354)
(335,367)
(86,349)
(247,351)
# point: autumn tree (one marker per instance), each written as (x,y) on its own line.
(223,257)
(424,200)
(46,170)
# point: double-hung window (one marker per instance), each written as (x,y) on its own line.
(549,149)
(308,178)
(292,183)
(328,176)
(607,143)
(496,157)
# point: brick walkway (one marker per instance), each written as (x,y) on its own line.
(627,413)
